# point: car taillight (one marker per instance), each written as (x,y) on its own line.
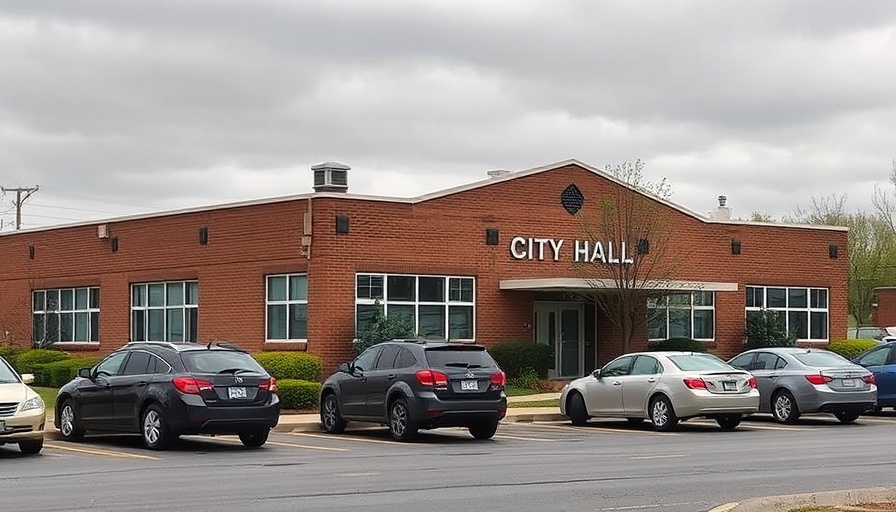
(191,386)
(498,380)
(432,378)
(753,384)
(817,378)
(695,383)
(869,379)
(269,384)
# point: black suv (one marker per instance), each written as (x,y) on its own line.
(163,390)
(417,384)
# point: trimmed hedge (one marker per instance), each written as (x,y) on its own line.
(29,360)
(851,348)
(516,357)
(10,353)
(682,344)
(298,394)
(290,365)
(57,374)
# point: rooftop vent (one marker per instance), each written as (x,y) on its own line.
(722,212)
(330,177)
(497,172)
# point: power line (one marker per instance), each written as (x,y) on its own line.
(22,195)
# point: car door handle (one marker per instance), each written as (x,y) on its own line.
(617,383)
(141,384)
(651,380)
(392,376)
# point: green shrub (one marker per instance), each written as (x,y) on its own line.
(291,365)
(10,353)
(58,373)
(383,328)
(682,344)
(766,328)
(298,394)
(516,357)
(527,380)
(28,361)
(851,348)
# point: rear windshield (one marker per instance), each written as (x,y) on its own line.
(220,361)
(818,359)
(459,357)
(699,363)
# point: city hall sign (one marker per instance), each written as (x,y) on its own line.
(579,251)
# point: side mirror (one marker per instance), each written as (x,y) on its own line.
(596,373)
(28,378)
(85,373)
(344,368)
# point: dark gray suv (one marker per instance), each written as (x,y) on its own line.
(417,384)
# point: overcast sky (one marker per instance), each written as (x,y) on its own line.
(118,107)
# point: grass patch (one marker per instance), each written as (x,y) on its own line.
(48,394)
(515,391)
(553,402)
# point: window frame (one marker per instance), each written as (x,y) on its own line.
(664,303)
(185,307)
(812,295)
(287,303)
(92,326)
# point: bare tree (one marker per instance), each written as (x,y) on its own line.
(629,257)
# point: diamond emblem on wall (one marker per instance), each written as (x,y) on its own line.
(572,199)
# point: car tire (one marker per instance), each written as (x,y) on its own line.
(400,425)
(69,423)
(578,415)
(728,422)
(784,408)
(330,419)
(154,430)
(846,416)
(31,447)
(662,414)
(484,429)
(254,438)
(635,421)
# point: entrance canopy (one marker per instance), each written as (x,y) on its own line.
(574,284)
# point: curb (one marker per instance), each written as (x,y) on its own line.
(832,498)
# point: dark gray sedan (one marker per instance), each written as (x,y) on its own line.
(793,381)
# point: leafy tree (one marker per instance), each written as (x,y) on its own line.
(766,329)
(632,214)
(383,328)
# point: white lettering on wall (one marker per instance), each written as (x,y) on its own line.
(592,251)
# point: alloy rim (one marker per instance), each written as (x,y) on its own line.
(782,407)
(399,419)
(151,426)
(67,420)
(329,413)
(660,413)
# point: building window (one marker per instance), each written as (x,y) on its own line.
(682,315)
(803,311)
(437,306)
(165,311)
(65,315)
(287,307)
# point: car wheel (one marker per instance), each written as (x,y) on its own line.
(662,415)
(330,419)
(635,421)
(578,416)
(728,422)
(31,447)
(846,416)
(484,429)
(400,425)
(784,407)
(155,432)
(69,425)
(254,438)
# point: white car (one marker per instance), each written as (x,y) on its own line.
(22,413)
(664,387)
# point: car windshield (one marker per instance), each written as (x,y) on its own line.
(220,361)
(453,357)
(699,363)
(820,359)
(7,375)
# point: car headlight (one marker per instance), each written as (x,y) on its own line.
(33,403)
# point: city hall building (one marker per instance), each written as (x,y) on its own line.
(503,259)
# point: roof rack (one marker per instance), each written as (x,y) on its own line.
(166,344)
(225,344)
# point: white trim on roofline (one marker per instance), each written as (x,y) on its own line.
(579,284)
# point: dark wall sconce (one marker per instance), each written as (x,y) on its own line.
(114,243)
(342,224)
(491,236)
(643,246)
(30,252)
(735,247)
(833,251)
(203,235)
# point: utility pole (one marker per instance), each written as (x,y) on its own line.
(22,195)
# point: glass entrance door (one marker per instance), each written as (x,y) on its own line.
(561,326)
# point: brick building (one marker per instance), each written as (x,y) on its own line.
(491,261)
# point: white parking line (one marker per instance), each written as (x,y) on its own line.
(291,445)
(346,438)
(97,451)
(573,428)
(519,438)
(669,456)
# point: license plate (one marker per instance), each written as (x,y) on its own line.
(236,392)
(849,383)
(729,385)
(469,385)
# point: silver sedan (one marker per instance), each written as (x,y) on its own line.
(793,381)
(664,387)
